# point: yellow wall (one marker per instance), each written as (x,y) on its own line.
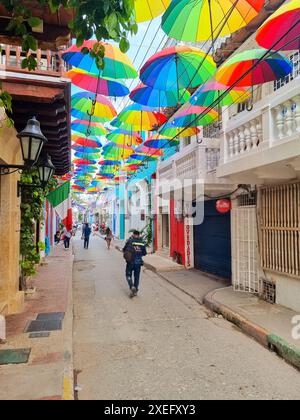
(11,300)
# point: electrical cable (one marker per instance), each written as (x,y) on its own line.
(269,52)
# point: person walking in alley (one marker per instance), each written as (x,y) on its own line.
(57,238)
(86,234)
(108,237)
(67,238)
(133,252)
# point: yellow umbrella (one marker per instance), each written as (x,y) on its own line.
(149,9)
(201,20)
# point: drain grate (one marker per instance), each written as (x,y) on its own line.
(44,325)
(51,316)
(14,357)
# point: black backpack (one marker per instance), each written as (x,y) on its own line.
(129,253)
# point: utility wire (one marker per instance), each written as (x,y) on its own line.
(269,52)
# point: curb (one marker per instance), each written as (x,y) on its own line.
(287,351)
(68,374)
(269,340)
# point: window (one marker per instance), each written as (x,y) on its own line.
(280,231)
(187,141)
(295,59)
(212,131)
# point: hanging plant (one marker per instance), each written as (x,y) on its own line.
(32,211)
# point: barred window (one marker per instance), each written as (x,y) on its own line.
(295,59)
(280,228)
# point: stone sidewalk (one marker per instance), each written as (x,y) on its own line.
(48,375)
(271,325)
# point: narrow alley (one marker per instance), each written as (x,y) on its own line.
(161,344)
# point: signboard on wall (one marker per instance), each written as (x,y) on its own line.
(189,243)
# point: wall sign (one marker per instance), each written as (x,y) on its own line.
(223,206)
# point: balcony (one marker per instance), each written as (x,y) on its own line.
(196,162)
(263,145)
(49,63)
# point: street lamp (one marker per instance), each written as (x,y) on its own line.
(46,170)
(32,141)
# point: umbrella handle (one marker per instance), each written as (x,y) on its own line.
(199,141)
(250,105)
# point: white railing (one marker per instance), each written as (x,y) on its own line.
(194,162)
(286,118)
(273,120)
(247,137)
(166,170)
(47,60)
(186,167)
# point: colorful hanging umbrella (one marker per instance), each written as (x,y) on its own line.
(272,66)
(100,106)
(194,116)
(143,158)
(209,95)
(202,20)
(156,98)
(120,136)
(84,127)
(149,151)
(132,167)
(149,9)
(282,26)
(82,176)
(90,156)
(116,151)
(82,149)
(139,118)
(83,162)
(109,163)
(77,188)
(177,68)
(103,177)
(117,64)
(169,130)
(85,117)
(120,178)
(107,87)
(86,168)
(161,142)
(86,142)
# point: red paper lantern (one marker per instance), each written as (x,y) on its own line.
(223,206)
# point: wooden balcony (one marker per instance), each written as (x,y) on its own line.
(49,63)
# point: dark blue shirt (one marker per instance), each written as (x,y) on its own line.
(140,249)
(87,231)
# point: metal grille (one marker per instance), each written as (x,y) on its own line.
(244,262)
(245,200)
(212,131)
(295,59)
(280,228)
(268,291)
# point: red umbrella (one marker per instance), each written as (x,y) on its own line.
(282,26)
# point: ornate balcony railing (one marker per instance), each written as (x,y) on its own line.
(273,120)
(48,62)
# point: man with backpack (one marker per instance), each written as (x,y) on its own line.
(133,252)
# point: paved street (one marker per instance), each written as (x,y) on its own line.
(162,344)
